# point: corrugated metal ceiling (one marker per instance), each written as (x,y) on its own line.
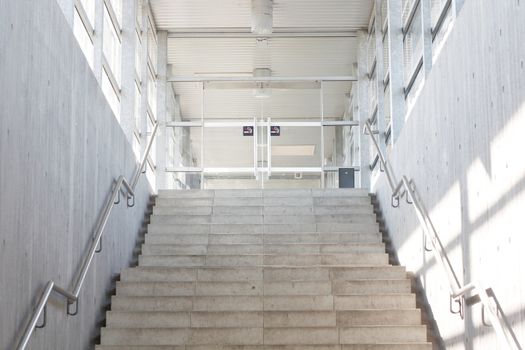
(286,56)
(177,14)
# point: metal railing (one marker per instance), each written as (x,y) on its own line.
(406,188)
(127,188)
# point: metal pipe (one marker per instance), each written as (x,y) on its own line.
(136,176)
(28,331)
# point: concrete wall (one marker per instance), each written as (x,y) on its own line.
(463,145)
(60,149)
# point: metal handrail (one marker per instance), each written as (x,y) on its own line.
(73,297)
(406,188)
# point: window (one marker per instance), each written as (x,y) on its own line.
(138,56)
(83,38)
(89,8)
(111,94)
(136,145)
(152,93)
(152,47)
(117,8)
(139,12)
(138,119)
(413,45)
(112,46)
(153,152)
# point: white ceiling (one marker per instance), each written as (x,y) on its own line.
(191,14)
(198,47)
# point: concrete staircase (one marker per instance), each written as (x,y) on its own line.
(270,269)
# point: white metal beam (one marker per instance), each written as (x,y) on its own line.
(246,33)
(193,79)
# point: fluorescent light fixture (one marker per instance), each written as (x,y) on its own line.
(293,150)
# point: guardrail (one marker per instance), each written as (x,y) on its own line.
(406,188)
(122,185)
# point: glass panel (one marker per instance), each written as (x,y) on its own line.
(226,147)
(137,102)
(138,56)
(152,46)
(117,8)
(297,146)
(336,139)
(111,46)
(335,100)
(152,93)
(413,45)
(136,146)
(438,6)
(139,12)
(83,38)
(153,152)
(110,94)
(183,147)
(89,8)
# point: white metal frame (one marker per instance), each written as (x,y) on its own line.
(256,123)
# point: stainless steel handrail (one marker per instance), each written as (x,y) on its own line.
(73,297)
(406,187)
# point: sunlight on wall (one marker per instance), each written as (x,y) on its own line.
(487,184)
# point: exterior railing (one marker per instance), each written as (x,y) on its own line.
(72,297)
(406,188)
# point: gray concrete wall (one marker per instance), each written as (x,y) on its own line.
(463,145)
(60,149)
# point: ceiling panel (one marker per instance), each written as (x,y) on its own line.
(347,14)
(177,14)
(241,104)
(286,56)
(194,14)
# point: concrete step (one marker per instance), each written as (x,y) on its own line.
(391,346)
(387,346)
(273,274)
(405,317)
(179,202)
(262,219)
(383,334)
(199,319)
(274,238)
(306,336)
(262,210)
(261,303)
(324,227)
(171,274)
(353,259)
(333,274)
(188,303)
(272,319)
(370,287)
(350,192)
(232,249)
(341,201)
(180,336)
(378,302)
(280,288)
